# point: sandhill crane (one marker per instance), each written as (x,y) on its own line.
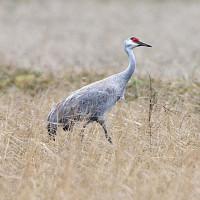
(91,102)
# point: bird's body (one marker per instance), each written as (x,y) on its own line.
(91,102)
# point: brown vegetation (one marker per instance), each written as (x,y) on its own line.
(164,164)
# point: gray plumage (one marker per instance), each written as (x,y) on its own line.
(91,102)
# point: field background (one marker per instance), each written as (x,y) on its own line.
(48,49)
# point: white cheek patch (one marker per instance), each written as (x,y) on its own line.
(132,44)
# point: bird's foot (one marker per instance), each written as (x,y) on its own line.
(110,140)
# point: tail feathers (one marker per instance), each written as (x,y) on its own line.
(52,128)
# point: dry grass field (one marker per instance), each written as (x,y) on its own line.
(48,49)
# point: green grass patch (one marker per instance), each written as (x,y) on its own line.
(33,81)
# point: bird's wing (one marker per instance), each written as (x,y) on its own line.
(91,102)
(96,101)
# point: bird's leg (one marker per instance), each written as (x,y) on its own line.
(103,124)
(82,131)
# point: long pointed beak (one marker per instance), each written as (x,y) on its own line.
(143,44)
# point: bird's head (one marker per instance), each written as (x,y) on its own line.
(133,42)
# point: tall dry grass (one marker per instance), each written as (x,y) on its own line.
(164,165)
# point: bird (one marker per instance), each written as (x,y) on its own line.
(91,102)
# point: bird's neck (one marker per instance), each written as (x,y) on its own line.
(126,74)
